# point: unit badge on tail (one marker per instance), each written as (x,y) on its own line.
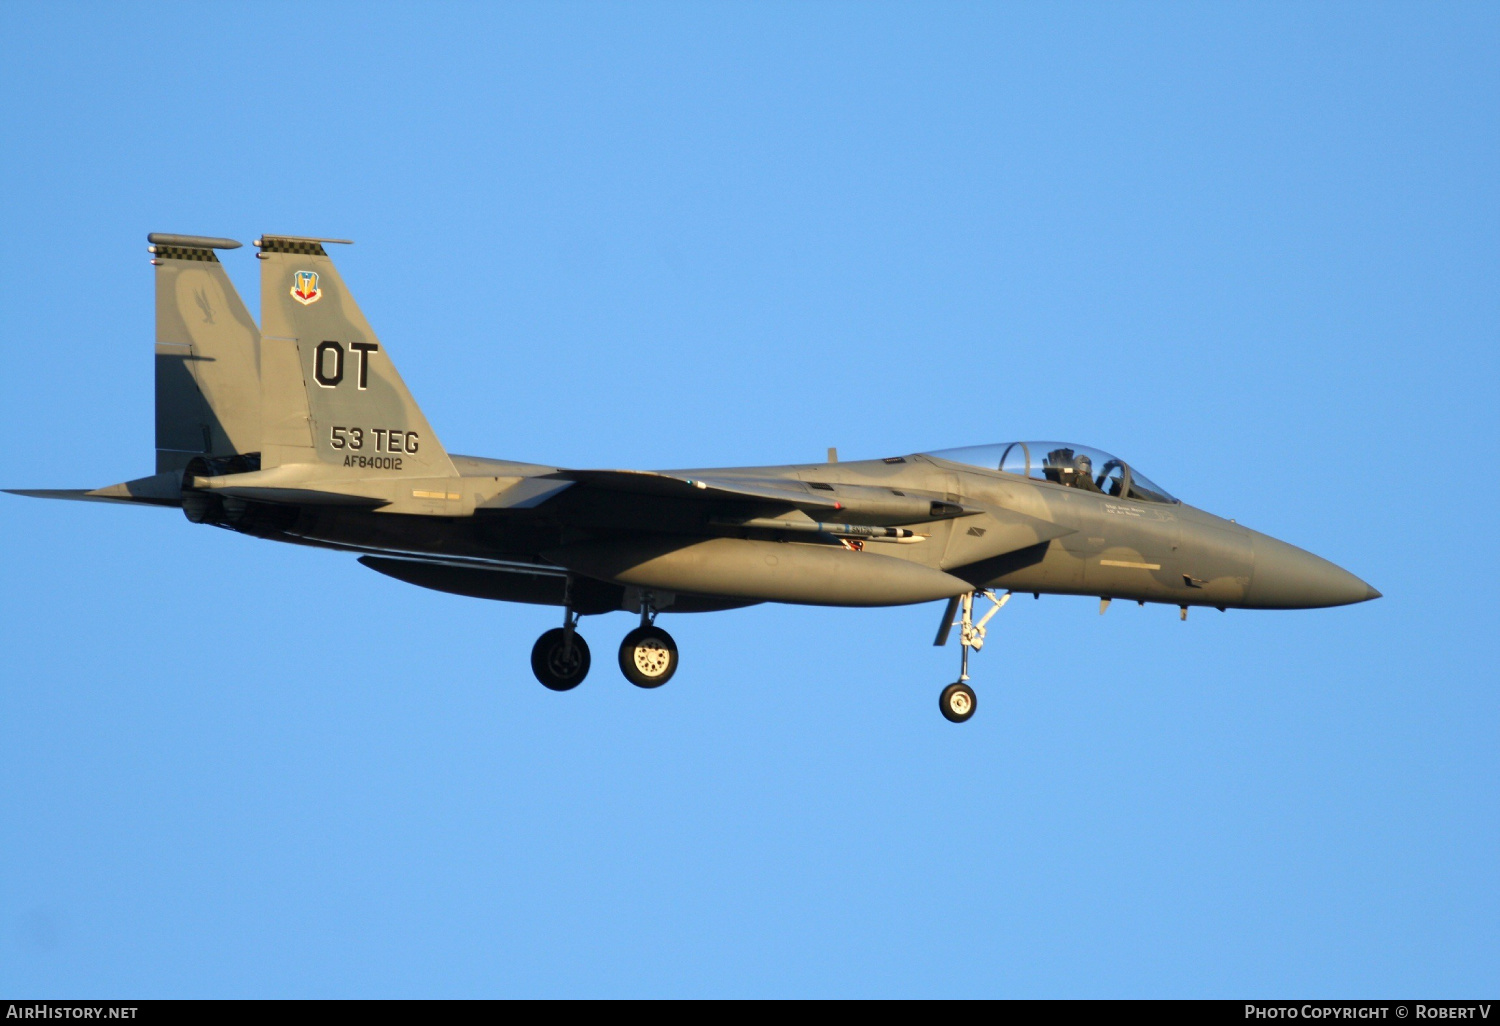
(305,287)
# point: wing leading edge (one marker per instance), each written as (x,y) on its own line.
(869,504)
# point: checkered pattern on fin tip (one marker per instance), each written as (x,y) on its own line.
(270,244)
(185,253)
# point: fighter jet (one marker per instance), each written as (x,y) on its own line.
(301,430)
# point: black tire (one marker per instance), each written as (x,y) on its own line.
(553,667)
(648,657)
(958,702)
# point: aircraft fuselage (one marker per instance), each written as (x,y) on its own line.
(716,553)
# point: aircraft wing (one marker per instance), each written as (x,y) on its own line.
(682,490)
(743,489)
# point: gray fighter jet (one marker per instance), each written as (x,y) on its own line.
(301,430)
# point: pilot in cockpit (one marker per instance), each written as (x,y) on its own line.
(1083,474)
(1069,470)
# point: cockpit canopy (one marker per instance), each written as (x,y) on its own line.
(1073,466)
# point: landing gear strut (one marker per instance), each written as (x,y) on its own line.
(560,657)
(648,655)
(958,700)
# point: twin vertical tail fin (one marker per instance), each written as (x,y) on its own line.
(329,391)
(311,395)
(208,394)
(207,356)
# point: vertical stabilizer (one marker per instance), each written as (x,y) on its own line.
(356,409)
(207,355)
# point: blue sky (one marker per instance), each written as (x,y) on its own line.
(1251,248)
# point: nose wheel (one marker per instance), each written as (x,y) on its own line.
(958,701)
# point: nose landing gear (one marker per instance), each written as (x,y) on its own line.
(958,701)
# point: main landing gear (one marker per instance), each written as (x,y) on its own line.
(648,655)
(560,657)
(958,701)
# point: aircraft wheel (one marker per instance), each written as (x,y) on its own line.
(556,667)
(648,657)
(957,702)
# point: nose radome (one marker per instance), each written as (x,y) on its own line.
(1286,577)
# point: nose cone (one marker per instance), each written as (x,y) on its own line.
(1286,577)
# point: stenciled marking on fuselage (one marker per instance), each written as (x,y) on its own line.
(374,462)
(1138,514)
(1129,565)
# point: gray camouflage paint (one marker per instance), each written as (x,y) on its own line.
(256,432)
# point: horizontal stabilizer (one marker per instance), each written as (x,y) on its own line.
(156,490)
(300,496)
(76,494)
